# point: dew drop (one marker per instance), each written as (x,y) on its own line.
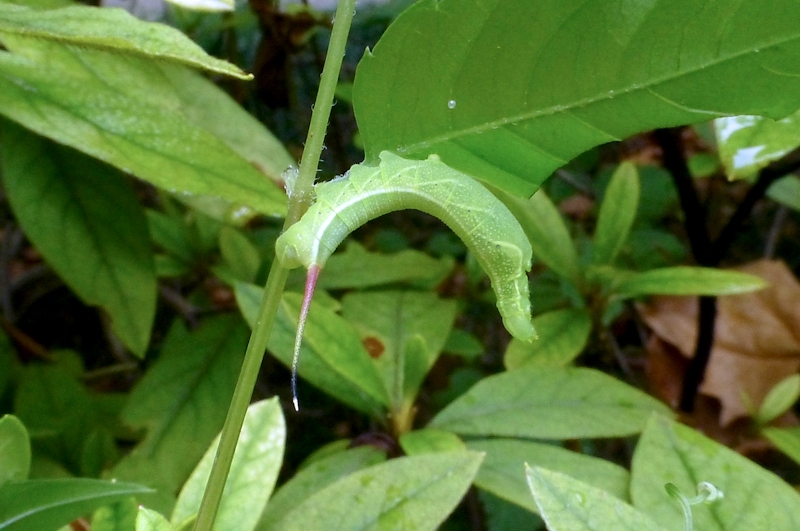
(451,104)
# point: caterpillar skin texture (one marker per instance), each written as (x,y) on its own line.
(484,223)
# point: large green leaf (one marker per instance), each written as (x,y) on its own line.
(314,478)
(562,336)
(388,321)
(253,472)
(567,504)
(85,220)
(409,493)
(748,143)
(754,498)
(15,450)
(182,401)
(549,403)
(50,503)
(126,110)
(111,29)
(509,90)
(503,470)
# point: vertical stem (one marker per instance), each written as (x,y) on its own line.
(301,198)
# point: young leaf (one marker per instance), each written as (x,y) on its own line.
(149,520)
(15,450)
(562,336)
(786,191)
(617,213)
(314,478)
(182,400)
(85,220)
(549,236)
(786,439)
(51,503)
(410,493)
(749,143)
(567,504)
(754,498)
(126,112)
(549,403)
(256,463)
(779,399)
(686,280)
(503,470)
(390,320)
(111,29)
(427,441)
(661,64)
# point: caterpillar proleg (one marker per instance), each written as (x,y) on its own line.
(484,223)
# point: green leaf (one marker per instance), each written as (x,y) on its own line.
(549,403)
(754,498)
(51,503)
(254,470)
(85,220)
(15,450)
(686,280)
(562,336)
(567,504)
(787,440)
(111,30)
(427,441)
(503,470)
(502,515)
(120,516)
(549,236)
(239,253)
(410,493)
(786,191)
(182,400)
(779,399)
(314,478)
(148,520)
(617,213)
(357,268)
(749,143)
(126,111)
(471,81)
(331,357)
(391,320)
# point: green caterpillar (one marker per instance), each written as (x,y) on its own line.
(484,223)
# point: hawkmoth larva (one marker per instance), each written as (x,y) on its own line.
(484,223)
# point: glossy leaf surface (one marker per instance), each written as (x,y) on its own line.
(567,504)
(86,221)
(111,29)
(509,90)
(52,503)
(754,498)
(127,112)
(503,470)
(749,143)
(409,493)
(254,470)
(549,403)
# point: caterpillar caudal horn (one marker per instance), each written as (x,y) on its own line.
(481,220)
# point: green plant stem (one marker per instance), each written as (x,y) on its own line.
(299,200)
